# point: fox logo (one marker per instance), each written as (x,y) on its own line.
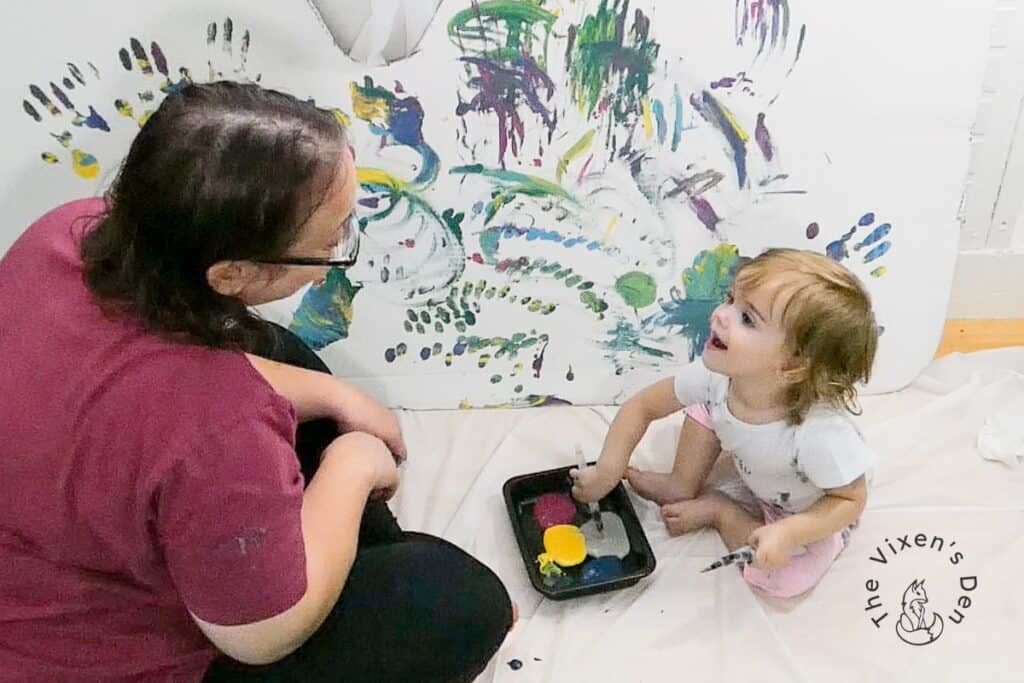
(916,625)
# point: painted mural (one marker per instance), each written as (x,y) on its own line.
(554,193)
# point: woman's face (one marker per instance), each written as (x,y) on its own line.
(324,230)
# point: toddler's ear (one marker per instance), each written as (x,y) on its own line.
(794,371)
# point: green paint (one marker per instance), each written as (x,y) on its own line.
(637,289)
(711,274)
(599,52)
(578,148)
(510,184)
(625,337)
(504,29)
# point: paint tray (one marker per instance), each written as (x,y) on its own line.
(522,492)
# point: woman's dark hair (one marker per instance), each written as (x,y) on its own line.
(220,171)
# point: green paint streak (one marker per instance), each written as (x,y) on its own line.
(625,337)
(325,313)
(511,184)
(637,289)
(711,274)
(598,53)
(578,148)
(482,23)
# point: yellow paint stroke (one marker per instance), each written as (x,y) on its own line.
(380,178)
(50,158)
(124,109)
(734,123)
(578,148)
(609,230)
(341,117)
(648,124)
(145,117)
(879,272)
(84,164)
(368,108)
(566,544)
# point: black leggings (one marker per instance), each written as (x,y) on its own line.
(414,607)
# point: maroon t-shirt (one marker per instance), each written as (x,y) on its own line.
(141,479)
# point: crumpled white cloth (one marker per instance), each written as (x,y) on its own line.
(1001,437)
(377,32)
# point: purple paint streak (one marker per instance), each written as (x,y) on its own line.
(764,138)
(501,89)
(705,212)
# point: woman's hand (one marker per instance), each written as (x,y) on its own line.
(372,456)
(774,546)
(363,413)
(593,483)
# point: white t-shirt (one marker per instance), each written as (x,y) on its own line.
(785,466)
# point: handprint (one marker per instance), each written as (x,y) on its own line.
(62,110)
(226,64)
(144,63)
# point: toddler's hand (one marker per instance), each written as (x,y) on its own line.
(774,546)
(592,483)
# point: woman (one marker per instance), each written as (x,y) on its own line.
(155,514)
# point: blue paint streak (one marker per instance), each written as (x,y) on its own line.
(94,120)
(866,219)
(677,124)
(713,111)
(659,116)
(877,252)
(875,235)
(836,249)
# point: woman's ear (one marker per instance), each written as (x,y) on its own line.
(230,277)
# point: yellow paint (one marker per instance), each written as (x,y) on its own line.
(609,230)
(341,117)
(84,164)
(376,176)
(50,158)
(578,148)
(367,108)
(145,117)
(735,124)
(566,544)
(124,109)
(648,124)
(879,272)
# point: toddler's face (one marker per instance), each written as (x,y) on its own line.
(747,337)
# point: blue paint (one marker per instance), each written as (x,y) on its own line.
(659,117)
(866,219)
(715,114)
(877,252)
(836,249)
(875,235)
(591,246)
(677,124)
(93,120)
(601,569)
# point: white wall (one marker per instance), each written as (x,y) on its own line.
(989,276)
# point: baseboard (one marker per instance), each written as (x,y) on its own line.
(988,284)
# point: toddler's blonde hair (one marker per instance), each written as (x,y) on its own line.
(829,325)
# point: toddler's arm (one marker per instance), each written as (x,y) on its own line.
(836,510)
(631,421)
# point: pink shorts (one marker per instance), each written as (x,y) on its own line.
(803,571)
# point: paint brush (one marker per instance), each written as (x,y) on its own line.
(743,554)
(595,509)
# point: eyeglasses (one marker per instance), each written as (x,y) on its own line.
(344,255)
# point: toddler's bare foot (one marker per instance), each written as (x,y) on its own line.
(660,487)
(691,515)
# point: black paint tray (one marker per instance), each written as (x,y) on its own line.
(521,493)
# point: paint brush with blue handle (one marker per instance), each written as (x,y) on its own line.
(743,554)
(595,509)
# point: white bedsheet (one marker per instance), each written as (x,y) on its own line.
(679,624)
